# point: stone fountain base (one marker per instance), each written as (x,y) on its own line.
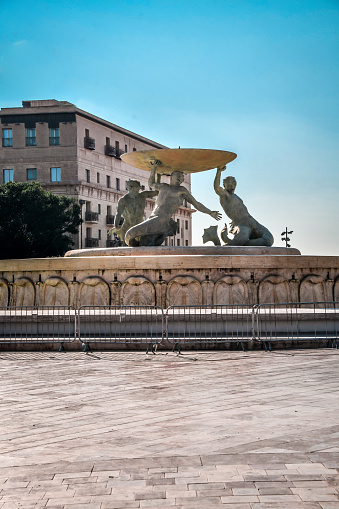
(165,276)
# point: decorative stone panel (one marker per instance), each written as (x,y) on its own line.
(23,292)
(94,291)
(312,289)
(230,290)
(55,292)
(336,290)
(137,291)
(4,293)
(274,289)
(184,291)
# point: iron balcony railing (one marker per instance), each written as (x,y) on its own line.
(91,242)
(109,219)
(89,143)
(91,217)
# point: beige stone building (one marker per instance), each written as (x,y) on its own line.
(74,153)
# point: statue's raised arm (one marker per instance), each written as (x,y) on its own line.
(219,190)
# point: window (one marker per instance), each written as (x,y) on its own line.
(98,178)
(178,223)
(54,138)
(7,140)
(186,225)
(30,137)
(117,146)
(87,133)
(31,174)
(99,234)
(178,242)
(117,184)
(8,176)
(126,148)
(108,181)
(55,174)
(88,175)
(108,141)
(99,208)
(134,149)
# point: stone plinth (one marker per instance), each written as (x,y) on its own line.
(165,276)
(184,251)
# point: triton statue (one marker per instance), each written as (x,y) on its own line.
(246,230)
(160,224)
(131,207)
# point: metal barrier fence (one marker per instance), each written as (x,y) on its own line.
(304,321)
(43,324)
(203,326)
(209,325)
(128,325)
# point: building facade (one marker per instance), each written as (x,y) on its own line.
(74,153)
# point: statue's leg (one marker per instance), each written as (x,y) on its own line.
(152,226)
(264,238)
(241,238)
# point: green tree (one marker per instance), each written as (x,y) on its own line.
(35,223)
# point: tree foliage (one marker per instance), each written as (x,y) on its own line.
(35,223)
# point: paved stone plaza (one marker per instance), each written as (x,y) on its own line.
(244,430)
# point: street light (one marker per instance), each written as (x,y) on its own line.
(285,238)
(81,202)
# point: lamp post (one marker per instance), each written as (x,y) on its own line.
(284,237)
(81,202)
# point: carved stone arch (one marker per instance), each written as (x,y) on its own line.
(137,291)
(23,292)
(94,291)
(184,291)
(274,289)
(312,289)
(4,292)
(230,290)
(55,292)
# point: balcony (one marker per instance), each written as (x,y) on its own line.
(109,219)
(116,242)
(91,217)
(90,242)
(118,153)
(89,143)
(113,151)
(109,151)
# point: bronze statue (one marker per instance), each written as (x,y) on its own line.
(131,207)
(247,231)
(160,224)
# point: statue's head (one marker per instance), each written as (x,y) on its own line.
(230,184)
(134,186)
(177,177)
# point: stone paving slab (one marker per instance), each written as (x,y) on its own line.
(105,430)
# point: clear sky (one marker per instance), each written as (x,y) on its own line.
(259,78)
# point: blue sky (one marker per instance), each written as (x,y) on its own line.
(259,78)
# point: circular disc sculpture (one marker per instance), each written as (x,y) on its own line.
(186,160)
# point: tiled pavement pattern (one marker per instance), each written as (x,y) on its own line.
(111,430)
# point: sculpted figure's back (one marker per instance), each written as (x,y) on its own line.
(247,231)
